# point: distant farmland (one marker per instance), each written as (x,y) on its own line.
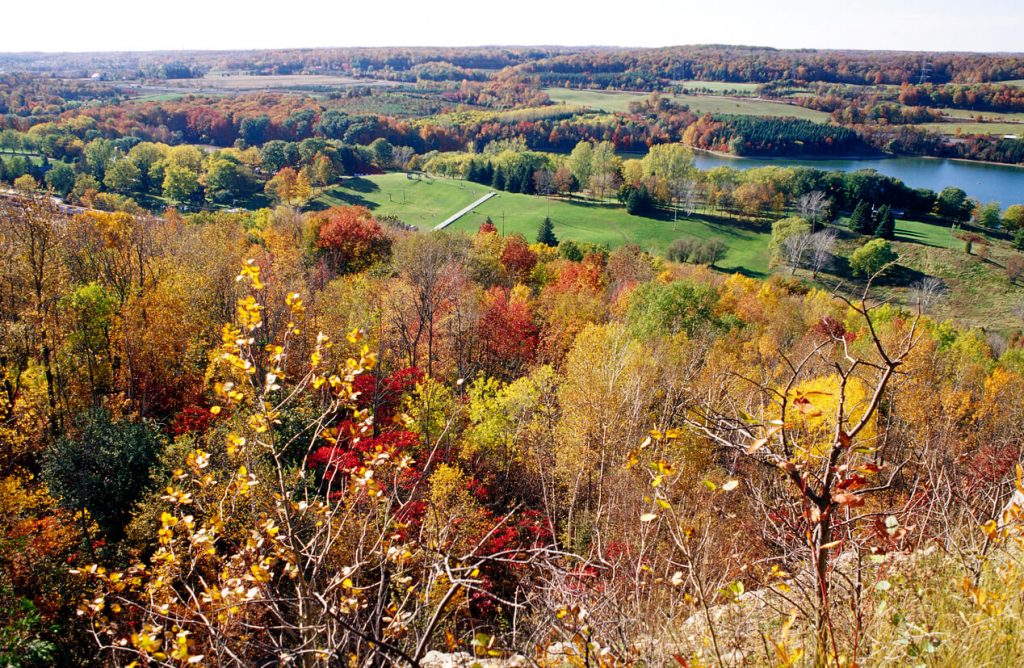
(249,82)
(702,104)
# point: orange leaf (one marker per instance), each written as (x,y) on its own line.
(848,499)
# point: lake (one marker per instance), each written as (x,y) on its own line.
(982,181)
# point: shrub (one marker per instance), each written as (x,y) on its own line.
(870,258)
(1015,268)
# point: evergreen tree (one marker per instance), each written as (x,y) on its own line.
(525,180)
(546,234)
(885,226)
(498,180)
(860,220)
(638,201)
(486,173)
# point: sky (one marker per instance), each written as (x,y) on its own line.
(122,25)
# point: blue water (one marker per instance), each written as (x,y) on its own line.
(982,181)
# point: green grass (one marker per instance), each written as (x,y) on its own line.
(700,104)
(423,201)
(33,158)
(609,224)
(978,293)
(969,115)
(719,87)
(596,99)
(927,234)
(967,127)
(706,104)
(159,97)
(426,202)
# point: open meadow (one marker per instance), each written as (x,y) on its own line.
(612,101)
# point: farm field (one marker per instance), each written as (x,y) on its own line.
(701,104)
(158,97)
(247,82)
(968,127)
(720,87)
(426,202)
(968,114)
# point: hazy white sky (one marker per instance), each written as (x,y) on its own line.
(115,25)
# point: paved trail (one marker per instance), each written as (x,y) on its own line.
(462,213)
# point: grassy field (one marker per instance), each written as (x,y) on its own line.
(159,97)
(969,115)
(33,158)
(701,104)
(978,291)
(926,234)
(968,127)
(719,87)
(425,202)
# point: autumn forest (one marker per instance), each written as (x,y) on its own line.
(460,357)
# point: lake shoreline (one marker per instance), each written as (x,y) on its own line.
(983,181)
(809,158)
(853,156)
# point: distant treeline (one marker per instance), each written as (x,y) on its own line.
(909,104)
(602,67)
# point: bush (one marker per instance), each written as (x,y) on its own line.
(696,251)
(681,249)
(870,258)
(570,250)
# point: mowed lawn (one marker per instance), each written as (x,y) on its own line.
(700,104)
(425,202)
(915,231)
(971,128)
(418,200)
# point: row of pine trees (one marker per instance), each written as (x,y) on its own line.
(880,222)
